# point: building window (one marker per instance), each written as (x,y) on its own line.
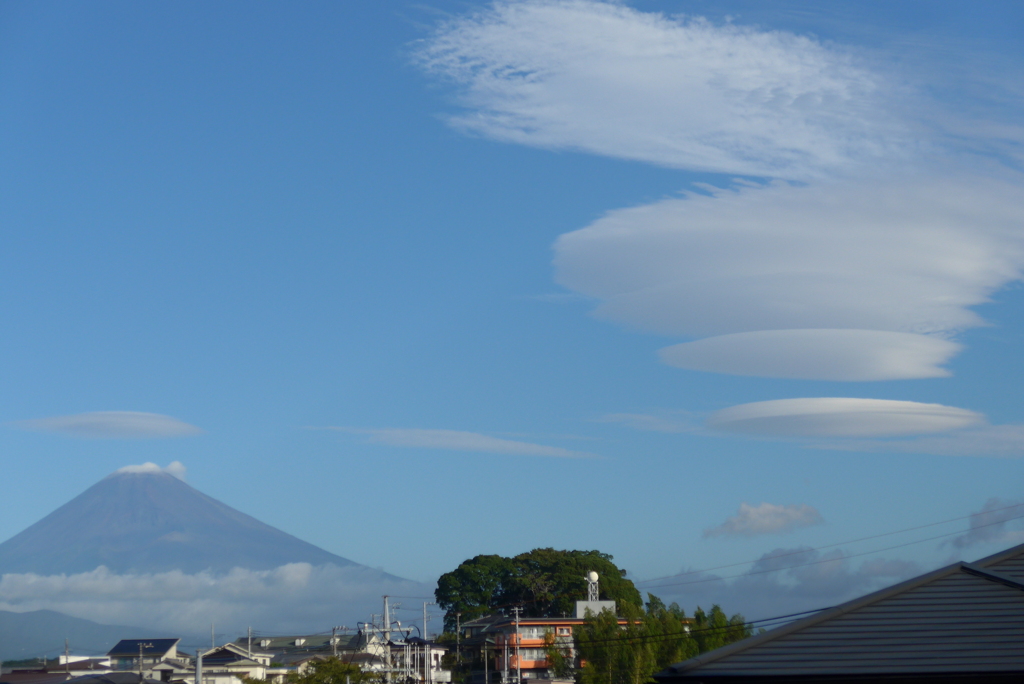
(300,642)
(264,643)
(533,632)
(564,631)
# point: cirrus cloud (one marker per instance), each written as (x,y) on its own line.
(841,417)
(112,425)
(457,440)
(752,521)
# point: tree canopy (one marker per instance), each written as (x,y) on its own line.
(650,641)
(544,582)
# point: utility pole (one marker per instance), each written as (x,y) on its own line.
(387,641)
(213,640)
(334,641)
(250,642)
(67,666)
(141,646)
(458,639)
(486,680)
(428,655)
(519,669)
(199,666)
(504,669)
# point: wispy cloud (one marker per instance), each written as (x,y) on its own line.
(665,421)
(752,521)
(682,92)
(112,425)
(841,417)
(985,440)
(455,440)
(989,525)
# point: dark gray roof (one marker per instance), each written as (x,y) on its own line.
(126,648)
(964,619)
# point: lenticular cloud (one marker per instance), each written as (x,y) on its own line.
(841,417)
(851,281)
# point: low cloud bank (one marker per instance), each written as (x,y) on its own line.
(297,597)
(784,581)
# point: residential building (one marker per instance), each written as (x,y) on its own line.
(143,655)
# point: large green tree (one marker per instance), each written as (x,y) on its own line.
(544,582)
(650,641)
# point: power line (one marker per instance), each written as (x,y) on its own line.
(826,560)
(688,632)
(852,541)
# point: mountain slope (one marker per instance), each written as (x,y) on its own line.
(42,632)
(153,522)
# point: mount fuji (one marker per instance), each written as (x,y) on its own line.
(142,547)
(145,521)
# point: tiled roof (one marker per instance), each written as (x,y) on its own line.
(966,618)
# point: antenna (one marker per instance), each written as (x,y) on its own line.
(592,589)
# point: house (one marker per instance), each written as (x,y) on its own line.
(490,645)
(961,623)
(230,663)
(142,655)
(284,648)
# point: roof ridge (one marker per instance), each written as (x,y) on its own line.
(994,576)
(1017,550)
(826,614)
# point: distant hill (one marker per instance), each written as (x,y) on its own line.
(153,522)
(42,633)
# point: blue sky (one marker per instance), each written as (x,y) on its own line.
(418,281)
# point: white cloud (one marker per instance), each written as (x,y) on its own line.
(767,518)
(844,279)
(841,417)
(851,281)
(296,597)
(455,440)
(985,440)
(176,468)
(608,79)
(113,425)
(834,354)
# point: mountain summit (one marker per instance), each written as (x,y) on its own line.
(148,521)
